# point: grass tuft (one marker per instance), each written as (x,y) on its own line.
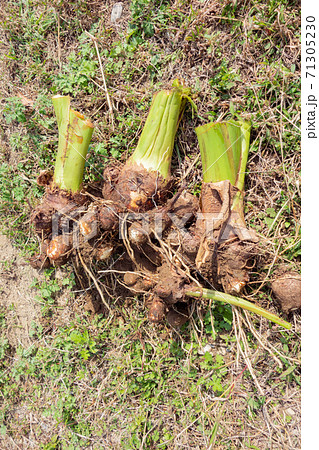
(110,379)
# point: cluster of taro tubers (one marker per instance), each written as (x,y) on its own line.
(170,242)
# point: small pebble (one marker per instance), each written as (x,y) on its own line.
(207,348)
(116,12)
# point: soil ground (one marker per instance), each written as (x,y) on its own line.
(79,373)
(16,295)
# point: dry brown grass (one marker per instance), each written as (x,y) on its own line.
(259,79)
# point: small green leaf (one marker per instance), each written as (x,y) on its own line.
(268,221)
(271,212)
(85,354)
(219,359)
(288,371)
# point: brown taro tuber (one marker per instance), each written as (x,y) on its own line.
(287,290)
(168,295)
(174,215)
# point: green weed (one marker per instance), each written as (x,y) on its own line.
(112,379)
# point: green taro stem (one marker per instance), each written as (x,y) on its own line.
(155,146)
(236,301)
(75,134)
(224,150)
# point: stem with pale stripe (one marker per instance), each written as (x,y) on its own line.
(236,301)
(75,134)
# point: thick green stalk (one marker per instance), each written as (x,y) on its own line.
(224,150)
(155,147)
(75,134)
(236,301)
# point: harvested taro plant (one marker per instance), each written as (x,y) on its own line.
(167,243)
(226,249)
(64,193)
